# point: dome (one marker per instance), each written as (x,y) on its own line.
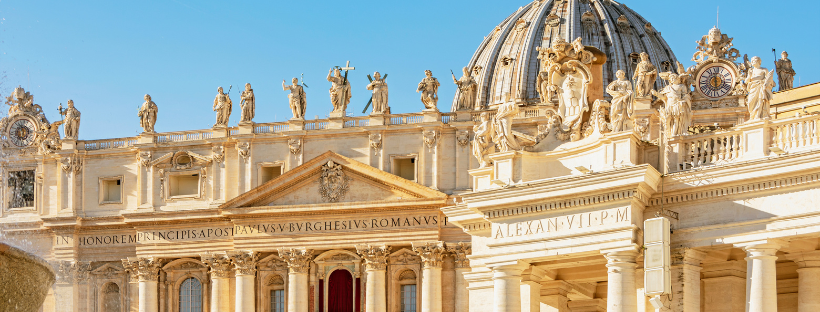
(505,66)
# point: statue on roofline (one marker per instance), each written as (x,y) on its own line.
(297,98)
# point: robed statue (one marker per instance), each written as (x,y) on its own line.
(645,76)
(759,84)
(148,115)
(222,107)
(676,115)
(296,98)
(785,73)
(379,88)
(248,104)
(339,90)
(429,91)
(467,90)
(71,123)
(483,144)
(621,107)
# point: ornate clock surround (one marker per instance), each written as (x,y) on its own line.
(716,79)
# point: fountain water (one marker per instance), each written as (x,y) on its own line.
(24,280)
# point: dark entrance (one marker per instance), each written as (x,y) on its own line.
(340,292)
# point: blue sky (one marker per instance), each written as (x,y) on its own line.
(105,55)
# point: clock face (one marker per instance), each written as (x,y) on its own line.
(716,81)
(21,132)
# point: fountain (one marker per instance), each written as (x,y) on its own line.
(25,278)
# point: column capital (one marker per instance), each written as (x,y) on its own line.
(460,251)
(621,259)
(763,248)
(805,259)
(431,253)
(375,257)
(244,261)
(146,268)
(70,271)
(687,256)
(298,260)
(219,263)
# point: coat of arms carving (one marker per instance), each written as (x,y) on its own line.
(333,183)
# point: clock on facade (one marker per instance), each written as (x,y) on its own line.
(22,132)
(716,81)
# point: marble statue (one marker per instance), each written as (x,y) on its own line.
(429,91)
(468,89)
(483,141)
(546,90)
(379,88)
(785,73)
(222,107)
(339,90)
(759,84)
(297,98)
(248,104)
(502,122)
(645,76)
(148,115)
(622,99)
(71,123)
(676,114)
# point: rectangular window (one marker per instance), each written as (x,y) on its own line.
(184,185)
(405,168)
(408,298)
(20,189)
(111,190)
(277,300)
(267,173)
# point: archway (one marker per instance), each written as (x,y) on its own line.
(340,292)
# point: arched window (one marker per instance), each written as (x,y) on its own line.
(407,288)
(190,295)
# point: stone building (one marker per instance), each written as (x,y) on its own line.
(579,125)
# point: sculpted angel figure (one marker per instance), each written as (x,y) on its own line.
(677,110)
(468,89)
(645,76)
(297,98)
(148,115)
(222,107)
(71,123)
(622,99)
(248,104)
(429,91)
(785,73)
(483,141)
(379,88)
(759,84)
(503,127)
(339,90)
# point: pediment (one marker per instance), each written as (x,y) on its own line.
(333,178)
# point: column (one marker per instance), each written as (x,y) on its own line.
(554,296)
(298,261)
(375,258)
(761,282)
(147,270)
(431,254)
(244,262)
(686,279)
(808,280)
(621,291)
(507,286)
(220,265)
(460,251)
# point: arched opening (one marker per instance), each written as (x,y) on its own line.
(407,291)
(111,298)
(340,292)
(190,295)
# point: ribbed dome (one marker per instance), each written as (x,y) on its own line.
(506,64)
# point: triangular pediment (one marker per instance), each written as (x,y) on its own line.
(333,178)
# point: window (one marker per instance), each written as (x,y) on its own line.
(111,298)
(111,190)
(269,172)
(277,300)
(20,189)
(405,168)
(190,296)
(184,185)
(408,298)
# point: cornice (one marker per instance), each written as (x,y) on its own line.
(404,205)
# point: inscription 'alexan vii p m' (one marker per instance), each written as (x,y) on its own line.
(561,224)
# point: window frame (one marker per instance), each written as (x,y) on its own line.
(396,157)
(260,166)
(103,191)
(5,194)
(176,174)
(193,298)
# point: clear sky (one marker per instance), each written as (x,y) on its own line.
(105,55)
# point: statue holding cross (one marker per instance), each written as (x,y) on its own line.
(379,98)
(340,88)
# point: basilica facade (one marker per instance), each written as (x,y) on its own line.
(573,124)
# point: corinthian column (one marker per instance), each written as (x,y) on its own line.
(460,251)
(147,271)
(220,265)
(622,296)
(244,262)
(761,282)
(375,258)
(298,266)
(808,280)
(431,254)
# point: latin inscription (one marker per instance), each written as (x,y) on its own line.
(561,224)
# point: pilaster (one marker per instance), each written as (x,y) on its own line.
(244,262)
(460,251)
(220,269)
(431,254)
(298,261)
(375,262)
(147,272)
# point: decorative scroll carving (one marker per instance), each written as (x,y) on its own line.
(145,268)
(295,146)
(333,183)
(463,138)
(298,260)
(219,263)
(275,279)
(144,158)
(71,163)
(715,45)
(405,257)
(375,257)
(218,154)
(244,261)
(375,142)
(244,150)
(430,138)
(460,251)
(431,253)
